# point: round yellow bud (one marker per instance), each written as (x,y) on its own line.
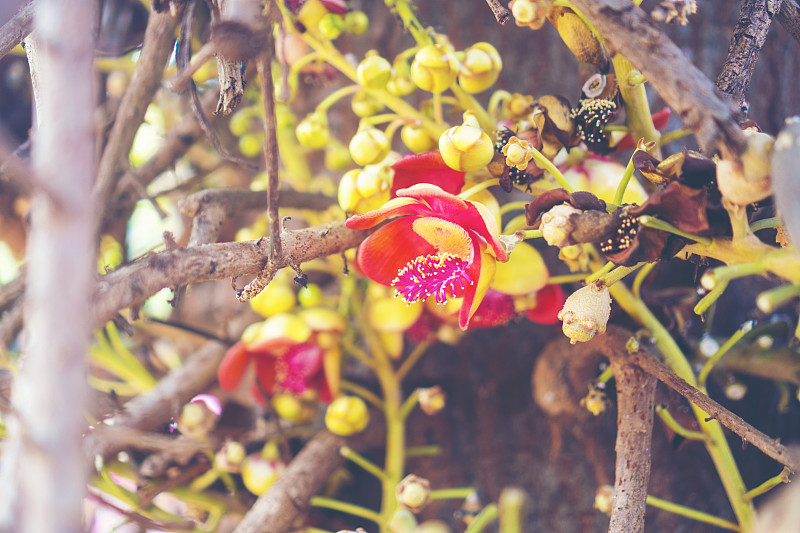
(282,325)
(347,415)
(314,131)
(337,156)
(480,68)
(288,407)
(585,313)
(230,457)
(374,71)
(259,474)
(369,146)
(467,147)
(401,84)
(434,68)
(276,298)
(356,22)
(310,295)
(251,144)
(331,25)
(414,493)
(417,138)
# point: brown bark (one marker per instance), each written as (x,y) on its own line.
(15,30)
(43,481)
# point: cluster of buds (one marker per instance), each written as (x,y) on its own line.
(369,146)
(365,189)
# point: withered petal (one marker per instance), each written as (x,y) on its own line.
(681,206)
(543,203)
(648,246)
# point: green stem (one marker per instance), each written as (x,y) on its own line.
(424,451)
(717,445)
(548,165)
(455,493)
(673,424)
(532,234)
(709,280)
(363,462)
(702,378)
(770,300)
(566,278)
(411,360)
(379,119)
(409,405)
(468,102)
(634,97)
(655,223)
(626,178)
(335,96)
(709,299)
(597,274)
(619,273)
(640,277)
(769,484)
(363,392)
(766,223)
(515,224)
(512,206)
(478,188)
(674,135)
(496,101)
(694,514)
(511,509)
(605,375)
(438,111)
(349,508)
(487,515)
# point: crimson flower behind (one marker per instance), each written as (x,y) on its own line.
(440,246)
(426,168)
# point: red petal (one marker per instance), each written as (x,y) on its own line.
(393,208)
(471,219)
(426,168)
(389,249)
(496,309)
(441,203)
(481,272)
(233,366)
(549,302)
(335,6)
(265,374)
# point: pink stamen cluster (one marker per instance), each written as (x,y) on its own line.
(429,275)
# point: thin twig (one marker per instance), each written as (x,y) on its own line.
(755,19)
(157,47)
(628,29)
(15,30)
(501,14)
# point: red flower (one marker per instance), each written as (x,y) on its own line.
(549,301)
(280,365)
(660,120)
(441,246)
(426,168)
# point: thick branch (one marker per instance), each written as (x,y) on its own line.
(635,407)
(158,40)
(15,30)
(131,285)
(789,17)
(628,30)
(501,14)
(755,19)
(275,511)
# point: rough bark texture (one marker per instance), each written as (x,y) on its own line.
(43,482)
(755,19)
(16,29)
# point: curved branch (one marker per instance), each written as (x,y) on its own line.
(628,30)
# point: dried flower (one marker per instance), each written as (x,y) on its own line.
(556,227)
(586,313)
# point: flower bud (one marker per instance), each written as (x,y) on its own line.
(431,399)
(401,84)
(467,147)
(374,71)
(196,420)
(314,131)
(277,297)
(417,138)
(371,179)
(229,458)
(434,68)
(525,272)
(337,156)
(259,474)
(556,227)
(586,313)
(518,153)
(480,68)
(604,499)
(347,415)
(331,25)
(596,401)
(369,146)
(310,295)
(403,521)
(529,13)
(356,22)
(280,326)
(288,407)
(413,493)
(364,104)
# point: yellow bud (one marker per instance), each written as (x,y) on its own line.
(259,474)
(310,295)
(431,399)
(337,156)
(374,71)
(331,25)
(348,191)
(276,298)
(417,138)
(278,326)
(466,147)
(413,493)
(518,153)
(519,106)
(604,499)
(480,68)
(322,319)
(230,457)
(586,313)
(369,146)
(524,272)
(356,22)
(251,144)
(556,227)
(288,407)
(392,342)
(393,314)
(364,104)
(314,131)
(595,402)
(347,415)
(370,183)
(434,68)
